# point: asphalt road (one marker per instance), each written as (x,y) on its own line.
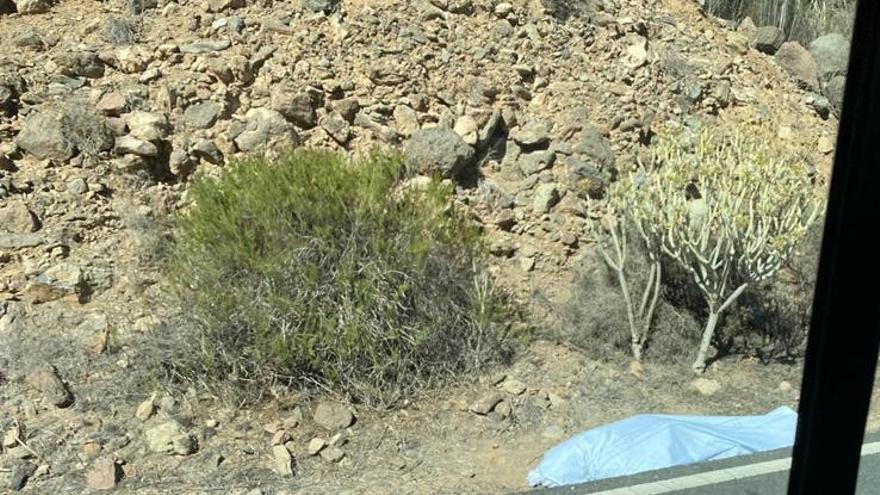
(760,474)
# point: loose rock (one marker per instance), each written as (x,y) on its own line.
(61,280)
(283,460)
(170,437)
(104,474)
(513,386)
(15,218)
(332,454)
(798,62)
(202,115)
(49,384)
(333,416)
(437,150)
(706,387)
(265,128)
(315,445)
(486,403)
(768,39)
(546,197)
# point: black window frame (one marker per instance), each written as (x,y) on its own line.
(844,335)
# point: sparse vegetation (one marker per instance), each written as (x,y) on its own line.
(623,212)
(318,270)
(728,208)
(802,20)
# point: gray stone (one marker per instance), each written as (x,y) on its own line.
(586,179)
(146,409)
(348,108)
(437,150)
(283,460)
(505,220)
(594,148)
(19,241)
(337,127)
(333,416)
(546,196)
(130,145)
(16,218)
(147,126)
(61,280)
(299,108)
(205,47)
(536,161)
(33,6)
(798,62)
(47,382)
(221,5)
(325,6)
(138,7)
(80,64)
(486,403)
(21,472)
(532,134)
(513,386)
(170,437)
(466,127)
(265,128)
(332,454)
(831,53)
(7,101)
(406,120)
(820,104)
(78,186)
(768,39)
(29,39)
(202,115)
(315,445)
(207,150)
(179,162)
(58,133)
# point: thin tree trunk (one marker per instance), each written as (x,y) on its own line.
(636,341)
(699,365)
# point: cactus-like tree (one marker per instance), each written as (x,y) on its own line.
(611,229)
(728,207)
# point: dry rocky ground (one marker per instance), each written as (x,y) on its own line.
(107,109)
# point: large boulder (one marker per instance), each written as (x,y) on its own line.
(831,53)
(265,128)
(768,39)
(437,150)
(798,62)
(60,132)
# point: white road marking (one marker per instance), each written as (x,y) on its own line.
(714,477)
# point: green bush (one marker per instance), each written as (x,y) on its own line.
(320,270)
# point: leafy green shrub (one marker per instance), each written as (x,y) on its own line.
(316,269)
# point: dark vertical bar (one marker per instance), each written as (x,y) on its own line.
(845,329)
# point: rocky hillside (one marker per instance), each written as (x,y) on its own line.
(109,109)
